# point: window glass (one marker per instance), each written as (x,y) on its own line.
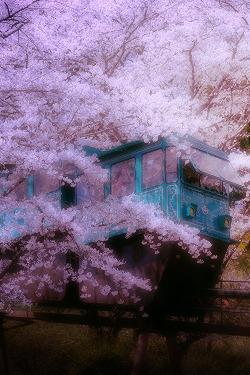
(171,165)
(203,162)
(190,175)
(226,170)
(212,184)
(152,169)
(44,183)
(86,192)
(21,191)
(6,169)
(68,169)
(67,194)
(82,192)
(214,166)
(225,188)
(123,178)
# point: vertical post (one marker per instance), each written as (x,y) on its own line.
(140,353)
(3,352)
(174,355)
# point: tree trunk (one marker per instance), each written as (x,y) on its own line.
(174,355)
(140,353)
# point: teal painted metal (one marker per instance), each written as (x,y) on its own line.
(209,207)
(196,193)
(31,186)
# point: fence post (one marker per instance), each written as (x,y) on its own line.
(174,355)
(141,348)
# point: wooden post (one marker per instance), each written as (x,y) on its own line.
(174,355)
(140,353)
(4,364)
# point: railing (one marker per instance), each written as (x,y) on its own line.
(237,284)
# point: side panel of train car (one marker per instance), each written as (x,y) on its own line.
(193,192)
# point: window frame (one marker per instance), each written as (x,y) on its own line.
(135,175)
(163,180)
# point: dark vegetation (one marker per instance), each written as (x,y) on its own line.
(245,139)
(51,348)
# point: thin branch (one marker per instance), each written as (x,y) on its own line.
(230,5)
(193,85)
(106,129)
(235,49)
(236,134)
(29,91)
(19,182)
(4,36)
(7,9)
(119,53)
(20,250)
(208,103)
(14,262)
(16,12)
(35,45)
(67,127)
(11,105)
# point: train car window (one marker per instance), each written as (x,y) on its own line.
(44,183)
(152,169)
(68,169)
(206,182)
(225,188)
(203,162)
(86,192)
(212,184)
(215,166)
(171,165)
(6,170)
(21,190)
(123,178)
(67,194)
(82,193)
(226,170)
(190,175)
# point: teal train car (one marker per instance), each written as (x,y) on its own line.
(194,191)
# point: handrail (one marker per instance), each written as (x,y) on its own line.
(243,282)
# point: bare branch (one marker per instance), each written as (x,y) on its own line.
(7,9)
(15,24)
(207,105)
(9,104)
(236,45)
(67,127)
(120,52)
(12,32)
(230,5)
(17,11)
(193,85)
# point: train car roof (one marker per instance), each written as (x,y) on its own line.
(138,144)
(224,171)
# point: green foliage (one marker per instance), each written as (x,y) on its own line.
(238,267)
(51,348)
(245,139)
(218,355)
(48,349)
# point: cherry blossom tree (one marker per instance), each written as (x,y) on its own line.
(101,73)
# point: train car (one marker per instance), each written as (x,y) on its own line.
(193,191)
